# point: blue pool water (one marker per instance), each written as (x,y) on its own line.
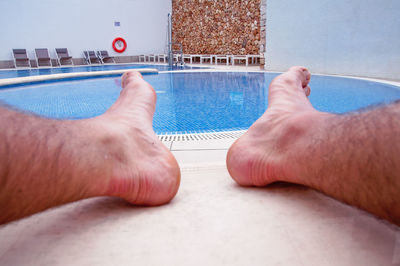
(15,73)
(194,102)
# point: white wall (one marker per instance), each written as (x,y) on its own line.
(83,24)
(357,37)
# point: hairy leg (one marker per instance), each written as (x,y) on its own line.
(352,157)
(47,162)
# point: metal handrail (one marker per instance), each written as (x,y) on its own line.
(172,52)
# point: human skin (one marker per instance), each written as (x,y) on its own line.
(354,157)
(45,162)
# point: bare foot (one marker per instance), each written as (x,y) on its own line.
(144,171)
(266,152)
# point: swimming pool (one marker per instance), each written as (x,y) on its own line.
(16,73)
(194,102)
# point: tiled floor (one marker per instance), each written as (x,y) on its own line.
(212,221)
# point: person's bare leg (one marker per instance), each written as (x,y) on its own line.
(354,157)
(44,162)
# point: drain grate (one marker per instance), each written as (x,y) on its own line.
(203,136)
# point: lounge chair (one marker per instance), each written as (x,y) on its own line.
(21,58)
(163,57)
(104,57)
(205,57)
(187,56)
(220,58)
(239,58)
(145,57)
(90,57)
(152,57)
(42,57)
(63,57)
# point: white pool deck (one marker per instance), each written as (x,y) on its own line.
(211,221)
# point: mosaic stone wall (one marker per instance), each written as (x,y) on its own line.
(263,31)
(217,26)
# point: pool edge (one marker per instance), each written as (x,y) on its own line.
(60,76)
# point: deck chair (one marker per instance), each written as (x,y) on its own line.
(90,57)
(105,58)
(42,57)
(63,57)
(21,58)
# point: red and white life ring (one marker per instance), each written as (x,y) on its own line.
(119,40)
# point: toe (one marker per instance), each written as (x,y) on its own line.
(307,90)
(129,77)
(307,78)
(302,74)
(136,89)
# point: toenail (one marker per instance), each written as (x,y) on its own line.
(135,74)
(130,74)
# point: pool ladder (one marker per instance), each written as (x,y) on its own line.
(175,57)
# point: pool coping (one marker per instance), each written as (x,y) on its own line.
(60,76)
(389,82)
(194,151)
(208,151)
(206,68)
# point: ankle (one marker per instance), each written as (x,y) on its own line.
(140,168)
(276,148)
(107,150)
(301,139)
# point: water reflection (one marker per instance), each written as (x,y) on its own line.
(194,102)
(44,71)
(209,101)
(341,95)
